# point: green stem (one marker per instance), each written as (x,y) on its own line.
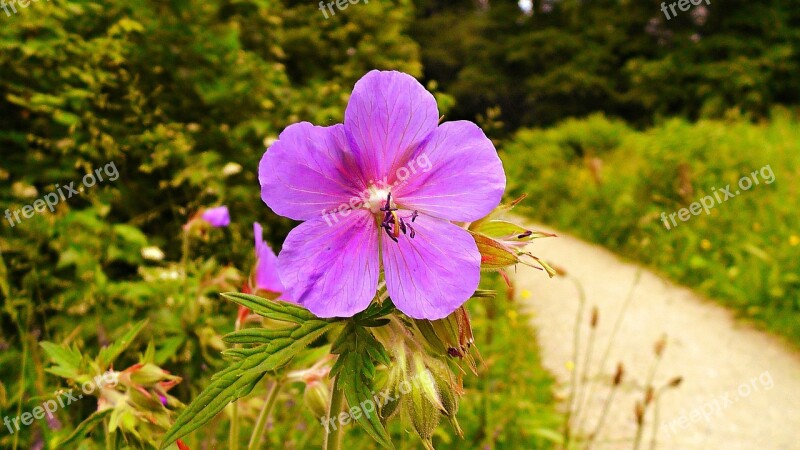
(233,440)
(333,439)
(109,439)
(261,423)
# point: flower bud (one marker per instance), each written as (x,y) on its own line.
(449,397)
(389,406)
(423,378)
(425,416)
(316,397)
(455,331)
(494,254)
(149,375)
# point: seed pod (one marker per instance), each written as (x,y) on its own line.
(660,345)
(639,411)
(675,382)
(649,395)
(619,375)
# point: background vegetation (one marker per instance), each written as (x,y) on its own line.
(183,96)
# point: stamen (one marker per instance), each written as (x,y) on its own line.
(393,224)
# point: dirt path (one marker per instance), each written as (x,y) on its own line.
(740,389)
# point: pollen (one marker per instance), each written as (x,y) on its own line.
(394,224)
(377,199)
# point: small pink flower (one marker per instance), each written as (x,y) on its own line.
(217,217)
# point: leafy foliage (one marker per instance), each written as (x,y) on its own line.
(610,184)
(572,57)
(355,371)
(239,378)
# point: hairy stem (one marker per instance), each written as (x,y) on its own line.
(333,439)
(261,423)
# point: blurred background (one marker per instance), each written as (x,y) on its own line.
(606,113)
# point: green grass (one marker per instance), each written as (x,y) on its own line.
(603,181)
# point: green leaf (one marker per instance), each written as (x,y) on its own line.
(84,428)
(256,335)
(226,386)
(355,370)
(68,360)
(108,354)
(239,379)
(374,311)
(281,351)
(168,348)
(272,309)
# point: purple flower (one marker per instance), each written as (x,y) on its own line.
(266,276)
(379,192)
(217,217)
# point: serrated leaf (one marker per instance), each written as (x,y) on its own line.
(239,379)
(375,310)
(281,351)
(272,309)
(354,382)
(355,370)
(84,428)
(108,354)
(256,335)
(226,386)
(67,360)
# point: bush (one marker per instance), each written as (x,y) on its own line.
(610,184)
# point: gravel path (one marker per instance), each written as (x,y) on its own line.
(740,388)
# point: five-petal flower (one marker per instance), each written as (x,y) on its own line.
(369,204)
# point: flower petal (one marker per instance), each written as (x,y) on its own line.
(388,116)
(458,175)
(431,275)
(332,269)
(308,171)
(266,272)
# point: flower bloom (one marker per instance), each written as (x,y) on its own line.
(266,272)
(217,217)
(379,192)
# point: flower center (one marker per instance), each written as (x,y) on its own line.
(376,200)
(393,224)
